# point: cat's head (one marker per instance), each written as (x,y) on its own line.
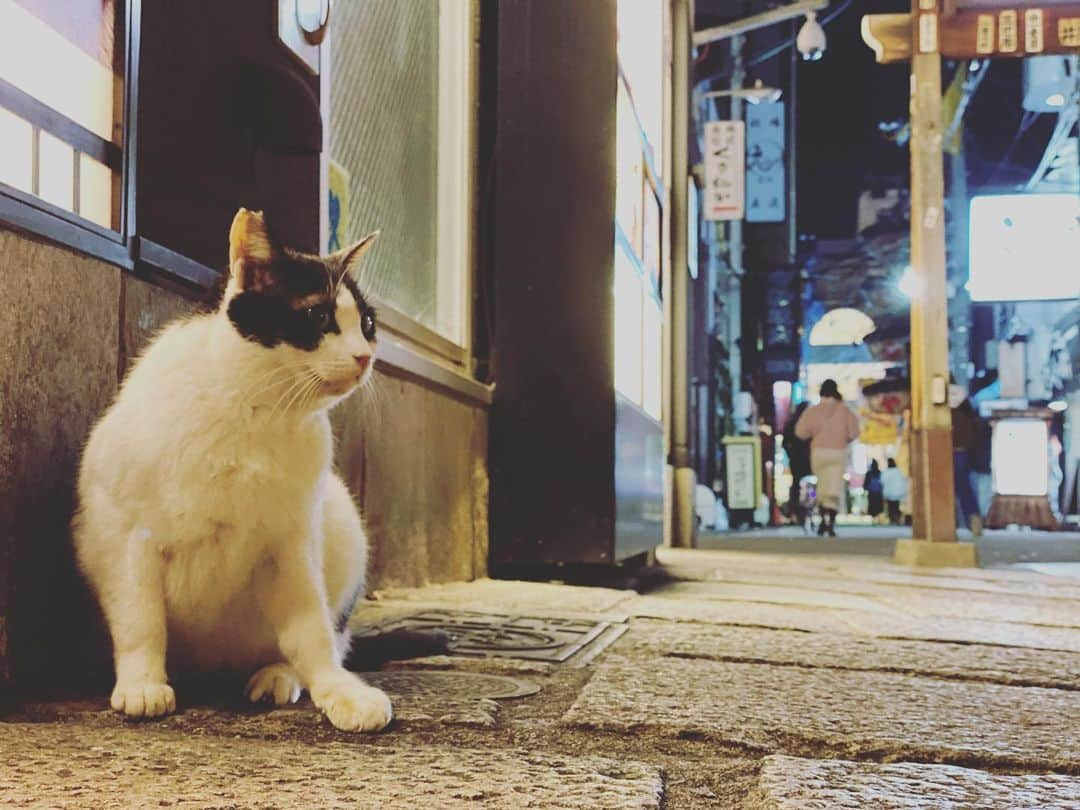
(305,309)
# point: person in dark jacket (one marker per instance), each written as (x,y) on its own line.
(965,435)
(875,493)
(798,453)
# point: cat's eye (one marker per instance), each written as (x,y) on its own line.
(319,317)
(367,325)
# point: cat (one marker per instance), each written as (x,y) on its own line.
(211,525)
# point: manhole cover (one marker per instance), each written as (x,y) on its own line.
(463,685)
(495,635)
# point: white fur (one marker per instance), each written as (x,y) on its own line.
(212,527)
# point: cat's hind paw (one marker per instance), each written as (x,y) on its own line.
(143,699)
(352,705)
(277,682)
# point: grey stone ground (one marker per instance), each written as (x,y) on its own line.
(755,681)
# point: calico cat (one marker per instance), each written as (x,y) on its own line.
(211,525)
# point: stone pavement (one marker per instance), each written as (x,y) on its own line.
(748,681)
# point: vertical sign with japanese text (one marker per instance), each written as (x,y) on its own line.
(725,170)
(765,166)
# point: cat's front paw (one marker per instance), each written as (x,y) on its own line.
(352,705)
(277,682)
(143,699)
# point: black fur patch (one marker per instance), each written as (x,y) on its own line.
(293,305)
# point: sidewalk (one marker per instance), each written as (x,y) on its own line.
(749,681)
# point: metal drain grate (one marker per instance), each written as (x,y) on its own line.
(505,636)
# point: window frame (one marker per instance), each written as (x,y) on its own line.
(410,350)
(32,214)
(455,196)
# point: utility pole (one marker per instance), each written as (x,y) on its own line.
(735,241)
(684,481)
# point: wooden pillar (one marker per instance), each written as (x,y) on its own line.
(934,511)
(933,508)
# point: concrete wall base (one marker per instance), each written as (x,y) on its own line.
(935,555)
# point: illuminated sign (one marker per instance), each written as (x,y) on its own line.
(1024,247)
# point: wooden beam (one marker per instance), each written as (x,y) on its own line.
(889,36)
(1022,29)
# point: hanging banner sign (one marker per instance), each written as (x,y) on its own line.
(725,170)
(765,167)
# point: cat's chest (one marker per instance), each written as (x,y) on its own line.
(256,460)
(247,480)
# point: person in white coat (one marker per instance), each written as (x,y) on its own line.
(894,484)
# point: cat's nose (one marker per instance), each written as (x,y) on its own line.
(362,360)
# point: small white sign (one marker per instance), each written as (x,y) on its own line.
(725,170)
(1033,31)
(1008,38)
(741,476)
(984,34)
(928,33)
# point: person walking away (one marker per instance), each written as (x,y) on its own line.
(830,426)
(875,495)
(798,453)
(894,489)
(965,434)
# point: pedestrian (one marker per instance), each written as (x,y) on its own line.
(965,434)
(798,453)
(830,427)
(894,488)
(875,496)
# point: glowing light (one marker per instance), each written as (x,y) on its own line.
(1058,406)
(1055,100)
(910,284)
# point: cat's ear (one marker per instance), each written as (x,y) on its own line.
(252,251)
(349,258)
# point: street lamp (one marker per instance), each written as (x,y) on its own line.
(755,95)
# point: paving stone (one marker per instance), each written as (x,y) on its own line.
(856,574)
(747,614)
(976,662)
(986,606)
(787,783)
(508,596)
(1033,585)
(971,631)
(770,594)
(912,596)
(821,711)
(74,767)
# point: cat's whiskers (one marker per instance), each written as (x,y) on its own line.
(296,384)
(268,381)
(313,383)
(312,391)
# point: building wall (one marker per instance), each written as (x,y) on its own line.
(69,325)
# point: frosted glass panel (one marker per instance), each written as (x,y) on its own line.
(16,151)
(384,107)
(56,172)
(95,191)
(61,53)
